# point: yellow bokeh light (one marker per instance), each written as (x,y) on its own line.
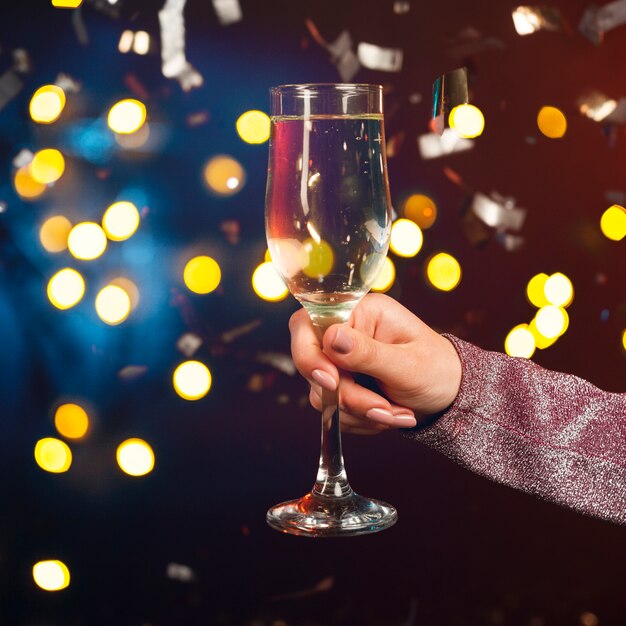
(47,166)
(385,277)
(202,274)
(53,233)
(551,122)
(25,185)
(66,288)
(535,290)
(268,284)
(120,220)
(613,223)
(319,258)
(559,290)
(468,120)
(71,420)
(129,287)
(551,321)
(420,209)
(443,271)
(254,127)
(540,341)
(224,175)
(135,457)
(267,256)
(192,380)
(66,4)
(112,305)
(87,241)
(520,342)
(46,104)
(126,116)
(406,238)
(53,455)
(624,339)
(51,575)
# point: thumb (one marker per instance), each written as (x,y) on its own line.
(352,350)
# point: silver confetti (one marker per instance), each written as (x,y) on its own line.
(182,573)
(174,64)
(278,360)
(22,158)
(530,19)
(597,21)
(188,344)
(498,212)
(376,58)
(228,11)
(433,146)
(343,56)
(10,85)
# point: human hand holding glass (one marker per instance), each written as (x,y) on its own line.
(328,220)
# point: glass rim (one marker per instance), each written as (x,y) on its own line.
(364,87)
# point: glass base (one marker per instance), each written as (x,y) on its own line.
(324,516)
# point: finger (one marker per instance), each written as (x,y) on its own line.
(353,350)
(307,354)
(362,413)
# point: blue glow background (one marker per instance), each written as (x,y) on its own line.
(465,551)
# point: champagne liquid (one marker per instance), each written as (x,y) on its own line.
(328,212)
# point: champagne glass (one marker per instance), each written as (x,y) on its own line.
(328,221)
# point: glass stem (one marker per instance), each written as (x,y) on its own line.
(332,480)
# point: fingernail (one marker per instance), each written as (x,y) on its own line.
(379,414)
(410,419)
(324,380)
(343,342)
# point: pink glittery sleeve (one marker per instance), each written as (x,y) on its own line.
(547,433)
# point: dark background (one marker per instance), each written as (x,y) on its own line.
(465,551)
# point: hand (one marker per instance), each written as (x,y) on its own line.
(417,369)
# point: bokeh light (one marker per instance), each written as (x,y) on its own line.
(66,4)
(559,290)
(202,274)
(385,277)
(120,220)
(254,127)
(613,223)
(47,166)
(47,104)
(224,175)
(624,339)
(551,321)
(129,287)
(87,241)
(51,575)
(540,341)
(319,258)
(268,284)
(520,342)
(135,457)
(468,120)
(25,185)
(112,305)
(443,271)
(420,209)
(54,232)
(53,455)
(71,421)
(551,122)
(406,238)
(126,116)
(535,290)
(66,288)
(192,380)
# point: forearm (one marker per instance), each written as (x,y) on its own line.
(547,433)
